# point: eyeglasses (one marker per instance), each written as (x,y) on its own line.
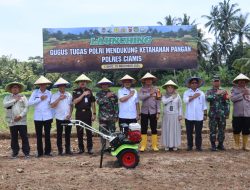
(241,81)
(194,82)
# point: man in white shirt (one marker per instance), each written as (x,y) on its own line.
(196,112)
(40,99)
(129,109)
(61,101)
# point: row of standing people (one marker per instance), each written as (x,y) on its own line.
(196,113)
(127,111)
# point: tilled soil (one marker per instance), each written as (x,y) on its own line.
(228,169)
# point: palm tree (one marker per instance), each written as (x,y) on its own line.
(225,46)
(202,45)
(241,28)
(169,20)
(220,21)
(228,15)
(213,26)
(186,20)
(213,20)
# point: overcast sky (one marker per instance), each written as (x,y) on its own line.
(22,20)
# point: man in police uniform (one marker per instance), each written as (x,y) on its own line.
(84,102)
(218,113)
(150,110)
(240,96)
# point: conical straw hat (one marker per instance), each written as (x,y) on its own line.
(9,86)
(61,81)
(83,77)
(104,81)
(127,77)
(170,83)
(42,80)
(148,76)
(241,77)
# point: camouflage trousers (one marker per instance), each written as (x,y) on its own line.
(214,124)
(106,126)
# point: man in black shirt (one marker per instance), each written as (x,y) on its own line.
(84,102)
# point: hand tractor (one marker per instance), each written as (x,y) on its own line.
(123,145)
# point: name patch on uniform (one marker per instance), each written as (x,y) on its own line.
(171,108)
(86,100)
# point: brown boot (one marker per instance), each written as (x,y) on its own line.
(244,144)
(236,141)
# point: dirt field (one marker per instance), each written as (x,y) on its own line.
(162,170)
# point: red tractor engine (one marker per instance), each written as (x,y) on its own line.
(134,132)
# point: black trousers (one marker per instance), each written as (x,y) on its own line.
(39,125)
(126,121)
(190,125)
(22,130)
(241,125)
(144,123)
(59,132)
(84,116)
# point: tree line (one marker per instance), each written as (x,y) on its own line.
(226,56)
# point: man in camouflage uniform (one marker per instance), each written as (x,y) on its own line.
(218,113)
(108,107)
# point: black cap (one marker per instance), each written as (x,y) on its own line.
(216,78)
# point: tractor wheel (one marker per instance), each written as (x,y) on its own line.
(128,158)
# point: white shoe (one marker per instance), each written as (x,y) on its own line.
(166,149)
(175,149)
